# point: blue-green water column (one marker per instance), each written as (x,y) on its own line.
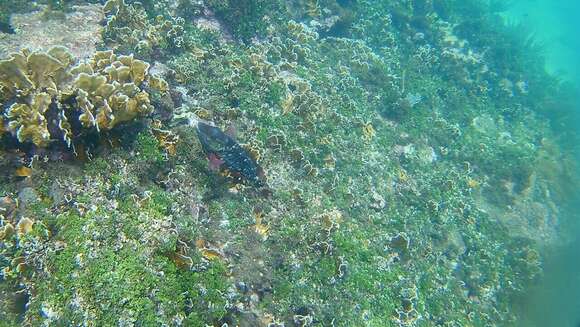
(555,23)
(556,300)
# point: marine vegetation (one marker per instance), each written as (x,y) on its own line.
(129,29)
(245,18)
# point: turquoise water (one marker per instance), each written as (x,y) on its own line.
(555,301)
(555,24)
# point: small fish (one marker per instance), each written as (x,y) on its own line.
(222,150)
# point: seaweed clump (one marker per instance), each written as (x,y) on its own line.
(44,97)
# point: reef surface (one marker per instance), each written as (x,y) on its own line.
(418,161)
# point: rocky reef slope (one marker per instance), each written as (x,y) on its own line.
(411,175)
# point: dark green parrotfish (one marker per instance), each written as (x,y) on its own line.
(224,152)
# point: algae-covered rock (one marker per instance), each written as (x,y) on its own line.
(244,17)
(43,93)
(129,29)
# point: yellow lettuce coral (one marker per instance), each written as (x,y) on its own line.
(109,90)
(13,75)
(28,120)
(25,72)
(41,92)
(29,81)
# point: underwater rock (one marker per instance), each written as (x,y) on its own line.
(27,195)
(400,244)
(79,31)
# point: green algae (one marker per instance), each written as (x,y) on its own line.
(110,280)
(244,17)
(148,149)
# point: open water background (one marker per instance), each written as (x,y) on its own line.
(556,300)
(556,25)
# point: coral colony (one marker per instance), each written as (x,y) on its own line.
(46,92)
